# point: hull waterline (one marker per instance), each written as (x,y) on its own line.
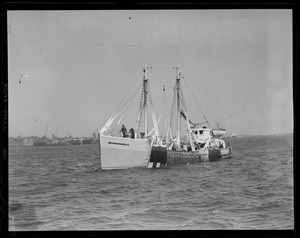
(160,157)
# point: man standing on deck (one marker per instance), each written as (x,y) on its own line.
(124,131)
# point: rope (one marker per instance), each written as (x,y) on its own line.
(169,120)
(127,92)
(152,112)
(163,84)
(169,78)
(165,109)
(138,122)
(166,67)
(133,96)
(170,123)
(196,101)
(131,99)
(182,99)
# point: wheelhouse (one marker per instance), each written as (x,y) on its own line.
(202,132)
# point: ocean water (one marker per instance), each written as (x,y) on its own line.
(62,188)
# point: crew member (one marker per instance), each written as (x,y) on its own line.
(131,131)
(124,131)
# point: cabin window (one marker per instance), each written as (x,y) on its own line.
(196,132)
(201,132)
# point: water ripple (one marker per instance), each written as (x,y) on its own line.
(63,189)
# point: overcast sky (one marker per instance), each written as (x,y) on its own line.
(76,66)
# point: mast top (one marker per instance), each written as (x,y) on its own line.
(145,72)
(177,73)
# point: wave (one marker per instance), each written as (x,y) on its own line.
(64,188)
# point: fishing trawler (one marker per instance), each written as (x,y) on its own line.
(142,149)
(202,144)
(129,150)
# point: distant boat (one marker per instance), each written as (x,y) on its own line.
(87,141)
(28,142)
(233,135)
(57,142)
(41,141)
(73,141)
(20,142)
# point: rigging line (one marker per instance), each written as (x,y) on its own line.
(169,77)
(156,78)
(170,124)
(129,99)
(138,121)
(169,86)
(135,93)
(165,109)
(195,100)
(127,92)
(160,81)
(132,97)
(167,67)
(152,112)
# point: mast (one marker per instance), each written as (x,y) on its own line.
(143,106)
(145,81)
(178,108)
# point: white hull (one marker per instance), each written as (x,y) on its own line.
(123,153)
